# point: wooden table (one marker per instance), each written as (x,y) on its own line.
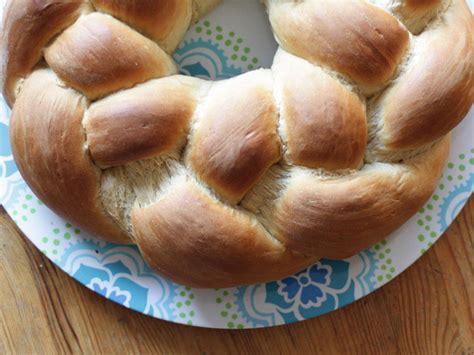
(428,309)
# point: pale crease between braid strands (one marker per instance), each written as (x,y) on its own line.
(252,178)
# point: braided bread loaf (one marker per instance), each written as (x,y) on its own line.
(248,179)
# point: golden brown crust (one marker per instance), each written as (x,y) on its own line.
(28,27)
(357,39)
(193,171)
(165,22)
(187,230)
(326,125)
(78,56)
(146,121)
(437,89)
(337,218)
(47,141)
(236,142)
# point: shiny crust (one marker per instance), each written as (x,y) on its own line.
(445,82)
(77,56)
(325,124)
(165,22)
(234,144)
(339,217)
(143,122)
(28,27)
(252,178)
(227,246)
(47,141)
(362,41)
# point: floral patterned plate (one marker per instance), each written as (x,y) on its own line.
(234,39)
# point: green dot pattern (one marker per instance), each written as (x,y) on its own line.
(25,209)
(426,217)
(51,244)
(58,235)
(240,54)
(457,172)
(184,305)
(385,267)
(225,303)
(461,168)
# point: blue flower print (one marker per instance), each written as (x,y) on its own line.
(307,286)
(118,272)
(110,291)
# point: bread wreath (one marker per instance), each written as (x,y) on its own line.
(248,179)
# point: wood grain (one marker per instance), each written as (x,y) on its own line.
(429,309)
